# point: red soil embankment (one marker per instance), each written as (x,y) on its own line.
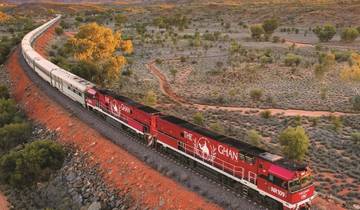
(123,171)
(4,205)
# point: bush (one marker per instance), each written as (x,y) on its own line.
(257,31)
(217,127)
(8,112)
(275,39)
(342,56)
(325,33)
(256,94)
(326,59)
(266,59)
(4,93)
(14,134)
(355,137)
(337,123)
(270,25)
(349,34)
(150,98)
(292,60)
(199,118)
(254,137)
(59,31)
(265,114)
(355,101)
(294,142)
(31,164)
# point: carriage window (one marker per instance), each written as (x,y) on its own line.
(182,134)
(249,160)
(242,157)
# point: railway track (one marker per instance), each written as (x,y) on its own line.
(165,164)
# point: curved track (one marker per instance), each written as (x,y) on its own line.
(195,182)
(166,90)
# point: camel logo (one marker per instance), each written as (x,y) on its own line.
(204,149)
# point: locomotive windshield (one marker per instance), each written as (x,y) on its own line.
(300,183)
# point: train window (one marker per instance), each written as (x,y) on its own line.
(249,160)
(271,178)
(241,156)
(261,165)
(182,134)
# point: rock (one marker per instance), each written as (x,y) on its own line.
(95,206)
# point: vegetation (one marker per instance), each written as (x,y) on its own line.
(199,119)
(352,72)
(217,127)
(95,46)
(256,94)
(59,30)
(14,134)
(31,164)
(355,101)
(349,34)
(337,123)
(270,25)
(4,17)
(254,137)
(178,20)
(4,93)
(150,98)
(294,142)
(355,137)
(257,31)
(292,60)
(325,33)
(265,114)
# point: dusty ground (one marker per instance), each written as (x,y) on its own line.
(129,174)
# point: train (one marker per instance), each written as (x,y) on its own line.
(255,172)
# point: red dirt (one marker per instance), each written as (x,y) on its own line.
(4,205)
(166,89)
(122,171)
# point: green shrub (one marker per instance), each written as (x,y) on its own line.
(13,134)
(342,56)
(355,101)
(199,118)
(325,33)
(275,39)
(349,34)
(265,114)
(256,94)
(59,31)
(265,59)
(294,142)
(336,122)
(31,164)
(4,93)
(292,60)
(254,137)
(355,137)
(270,25)
(8,112)
(150,98)
(217,127)
(257,31)
(327,58)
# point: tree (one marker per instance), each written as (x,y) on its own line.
(352,72)
(173,72)
(254,137)
(256,31)
(150,98)
(355,137)
(270,25)
(198,118)
(4,93)
(294,142)
(325,33)
(13,134)
(349,34)
(97,45)
(127,47)
(8,111)
(31,164)
(256,94)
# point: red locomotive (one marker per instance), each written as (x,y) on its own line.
(281,183)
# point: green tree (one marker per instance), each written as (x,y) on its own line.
(349,34)
(8,112)
(256,94)
(270,25)
(254,137)
(13,134)
(256,31)
(59,31)
(355,137)
(120,19)
(292,60)
(199,118)
(294,142)
(325,33)
(31,164)
(355,101)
